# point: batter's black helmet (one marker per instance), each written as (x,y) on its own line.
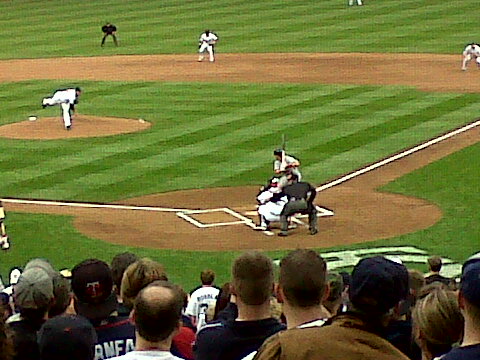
(278,152)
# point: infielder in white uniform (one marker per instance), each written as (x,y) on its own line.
(67,99)
(206,43)
(471,52)
(285,164)
(271,201)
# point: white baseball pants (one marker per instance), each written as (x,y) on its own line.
(206,47)
(65,106)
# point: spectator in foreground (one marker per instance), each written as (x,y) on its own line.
(92,286)
(399,329)
(252,283)
(203,300)
(334,299)
(434,266)
(225,307)
(6,346)
(377,286)
(120,263)
(302,287)
(157,316)
(141,274)
(437,321)
(469,303)
(138,275)
(67,337)
(33,295)
(62,293)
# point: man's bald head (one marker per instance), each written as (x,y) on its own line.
(158,310)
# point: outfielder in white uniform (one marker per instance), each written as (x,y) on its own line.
(271,201)
(206,43)
(67,99)
(471,52)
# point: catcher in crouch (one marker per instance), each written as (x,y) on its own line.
(271,201)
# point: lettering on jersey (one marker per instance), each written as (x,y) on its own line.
(113,348)
(206,297)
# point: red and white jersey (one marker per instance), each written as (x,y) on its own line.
(472,49)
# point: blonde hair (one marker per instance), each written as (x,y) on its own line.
(137,276)
(438,319)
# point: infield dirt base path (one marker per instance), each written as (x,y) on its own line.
(361,213)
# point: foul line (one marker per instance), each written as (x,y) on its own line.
(91,205)
(397,156)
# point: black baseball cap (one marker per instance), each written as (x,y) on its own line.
(92,285)
(67,337)
(378,284)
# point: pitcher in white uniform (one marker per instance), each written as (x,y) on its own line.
(206,43)
(67,99)
(471,52)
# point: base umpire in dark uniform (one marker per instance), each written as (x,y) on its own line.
(300,200)
(109,29)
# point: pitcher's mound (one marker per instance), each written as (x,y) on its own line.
(82,126)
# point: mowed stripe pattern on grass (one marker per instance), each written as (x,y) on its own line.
(172,26)
(192,144)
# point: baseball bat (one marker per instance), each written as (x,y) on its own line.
(284,144)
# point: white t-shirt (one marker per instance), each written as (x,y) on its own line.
(146,355)
(205,296)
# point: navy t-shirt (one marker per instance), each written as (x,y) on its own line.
(233,340)
(116,336)
(471,352)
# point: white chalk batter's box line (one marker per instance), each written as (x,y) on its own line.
(242,219)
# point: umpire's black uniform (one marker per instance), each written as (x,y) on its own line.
(109,29)
(300,200)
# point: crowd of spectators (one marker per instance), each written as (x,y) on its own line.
(129,310)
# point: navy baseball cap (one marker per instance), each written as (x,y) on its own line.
(92,284)
(470,282)
(378,284)
(67,337)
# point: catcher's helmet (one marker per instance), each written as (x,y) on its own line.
(278,152)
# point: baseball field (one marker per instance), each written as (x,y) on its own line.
(166,154)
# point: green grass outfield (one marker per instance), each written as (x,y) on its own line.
(192,144)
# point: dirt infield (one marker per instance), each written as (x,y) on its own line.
(361,213)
